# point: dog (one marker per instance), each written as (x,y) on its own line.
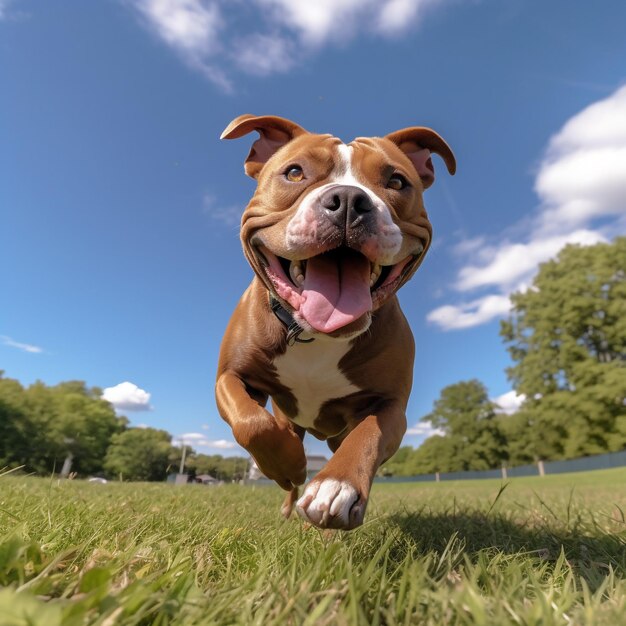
(331,232)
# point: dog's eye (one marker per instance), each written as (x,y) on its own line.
(294,174)
(397,182)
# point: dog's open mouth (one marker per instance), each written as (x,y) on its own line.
(333,289)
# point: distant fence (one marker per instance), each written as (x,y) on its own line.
(584,464)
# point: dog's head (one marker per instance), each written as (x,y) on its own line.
(334,230)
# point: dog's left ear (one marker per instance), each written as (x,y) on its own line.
(417,142)
(274,133)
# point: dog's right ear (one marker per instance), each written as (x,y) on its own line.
(274,133)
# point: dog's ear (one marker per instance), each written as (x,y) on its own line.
(417,142)
(274,133)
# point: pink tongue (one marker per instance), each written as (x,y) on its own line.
(336,290)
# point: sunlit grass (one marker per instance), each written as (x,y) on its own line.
(545,551)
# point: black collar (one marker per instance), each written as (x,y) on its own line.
(293,328)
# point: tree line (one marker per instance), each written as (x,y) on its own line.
(566,335)
(43,427)
(567,339)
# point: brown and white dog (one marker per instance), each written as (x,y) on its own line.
(332,232)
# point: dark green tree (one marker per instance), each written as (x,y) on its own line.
(41,426)
(438,453)
(16,429)
(86,425)
(140,454)
(223,468)
(567,338)
(398,464)
(526,440)
(472,437)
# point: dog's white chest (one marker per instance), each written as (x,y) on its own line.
(311,371)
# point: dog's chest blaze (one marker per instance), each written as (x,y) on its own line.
(311,372)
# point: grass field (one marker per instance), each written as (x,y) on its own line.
(542,551)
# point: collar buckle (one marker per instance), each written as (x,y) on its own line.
(294,330)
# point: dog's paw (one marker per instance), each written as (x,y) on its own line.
(288,502)
(331,503)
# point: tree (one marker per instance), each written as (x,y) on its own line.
(438,453)
(140,454)
(222,468)
(41,426)
(526,440)
(16,432)
(567,338)
(84,425)
(472,438)
(398,463)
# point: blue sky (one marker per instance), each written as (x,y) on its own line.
(119,205)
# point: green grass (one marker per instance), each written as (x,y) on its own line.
(541,551)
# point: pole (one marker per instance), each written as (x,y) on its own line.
(182,459)
(542,471)
(67,465)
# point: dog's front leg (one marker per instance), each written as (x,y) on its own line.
(337,496)
(272,442)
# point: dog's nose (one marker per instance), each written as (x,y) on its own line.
(345,205)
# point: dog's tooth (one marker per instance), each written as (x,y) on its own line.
(295,272)
(376,270)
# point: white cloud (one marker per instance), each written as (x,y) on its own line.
(4,4)
(199,440)
(472,246)
(191,28)
(221,444)
(510,401)
(513,263)
(581,180)
(583,175)
(601,124)
(314,23)
(191,437)
(207,36)
(397,15)
(25,347)
(264,54)
(468,314)
(424,429)
(229,215)
(127,397)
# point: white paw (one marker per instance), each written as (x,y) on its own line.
(331,503)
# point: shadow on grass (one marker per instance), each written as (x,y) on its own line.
(590,550)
